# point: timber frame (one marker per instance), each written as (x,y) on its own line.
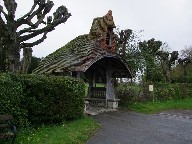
(95,56)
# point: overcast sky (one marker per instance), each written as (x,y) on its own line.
(166,20)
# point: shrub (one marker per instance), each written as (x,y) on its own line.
(53,99)
(41,99)
(162,92)
(127,94)
(11,99)
(175,91)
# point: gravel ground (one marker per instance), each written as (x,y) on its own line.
(170,127)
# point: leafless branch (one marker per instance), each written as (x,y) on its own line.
(27,14)
(11,7)
(23,45)
(48,28)
(2,11)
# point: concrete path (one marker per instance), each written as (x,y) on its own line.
(133,128)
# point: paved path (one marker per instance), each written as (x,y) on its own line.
(133,128)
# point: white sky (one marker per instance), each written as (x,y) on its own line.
(166,20)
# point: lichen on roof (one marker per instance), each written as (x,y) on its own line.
(84,50)
(72,51)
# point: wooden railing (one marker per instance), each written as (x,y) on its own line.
(98,92)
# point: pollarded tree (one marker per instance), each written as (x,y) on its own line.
(149,50)
(185,62)
(128,47)
(167,60)
(13,37)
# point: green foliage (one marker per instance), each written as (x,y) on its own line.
(12,99)
(76,132)
(127,94)
(41,99)
(166,91)
(128,47)
(53,99)
(182,74)
(130,94)
(149,50)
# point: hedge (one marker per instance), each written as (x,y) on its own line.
(42,99)
(162,92)
(53,99)
(175,91)
(127,94)
(11,99)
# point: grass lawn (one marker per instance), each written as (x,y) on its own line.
(75,132)
(155,107)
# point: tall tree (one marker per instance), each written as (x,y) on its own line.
(128,47)
(149,50)
(14,33)
(167,60)
(182,73)
(185,62)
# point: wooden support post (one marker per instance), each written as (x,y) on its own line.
(90,78)
(94,84)
(110,93)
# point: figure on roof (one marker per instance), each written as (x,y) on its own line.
(101,25)
(102,29)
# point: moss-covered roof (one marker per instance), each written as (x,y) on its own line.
(83,51)
(77,55)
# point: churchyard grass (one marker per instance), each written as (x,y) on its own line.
(77,131)
(159,106)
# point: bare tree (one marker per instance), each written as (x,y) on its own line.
(13,37)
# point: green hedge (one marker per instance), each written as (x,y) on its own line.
(12,99)
(162,92)
(41,99)
(53,99)
(127,94)
(176,91)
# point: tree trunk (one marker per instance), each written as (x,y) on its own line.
(12,58)
(27,55)
(12,48)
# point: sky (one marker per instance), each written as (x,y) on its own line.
(169,21)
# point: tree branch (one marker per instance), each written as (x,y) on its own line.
(11,7)
(24,45)
(19,21)
(3,28)
(2,11)
(41,12)
(31,15)
(48,28)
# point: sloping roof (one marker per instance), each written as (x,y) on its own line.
(77,55)
(85,50)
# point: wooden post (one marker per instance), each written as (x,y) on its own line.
(94,84)
(110,93)
(90,78)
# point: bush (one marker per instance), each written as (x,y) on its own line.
(175,91)
(53,99)
(41,99)
(11,99)
(162,92)
(127,94)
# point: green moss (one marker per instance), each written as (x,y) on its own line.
(70,46)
